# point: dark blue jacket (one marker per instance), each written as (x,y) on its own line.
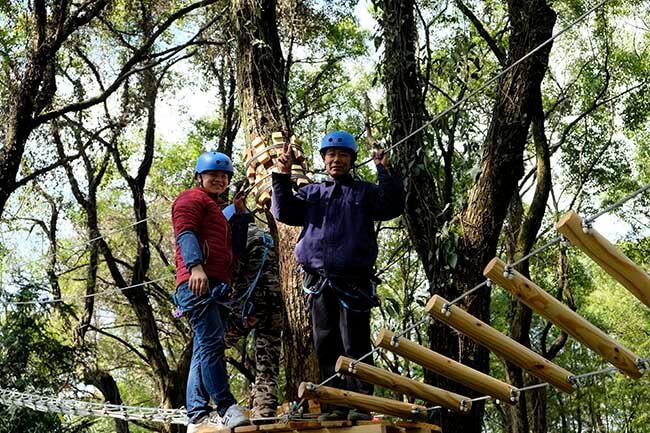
(338,235)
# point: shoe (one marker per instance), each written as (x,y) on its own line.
(235,417)
(263,415)
(335,415)
(208,423)
(358,415)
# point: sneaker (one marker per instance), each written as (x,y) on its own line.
(335,415)
(208,423)
(235,417)
(358,415)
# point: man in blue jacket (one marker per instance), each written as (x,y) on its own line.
(337,250)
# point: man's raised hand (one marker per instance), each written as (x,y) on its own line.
(285,160)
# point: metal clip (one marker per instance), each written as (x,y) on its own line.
(508,272)
(587,227)
(574,381)
(514,395)
(394,341)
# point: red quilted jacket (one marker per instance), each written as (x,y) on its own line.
(196,210)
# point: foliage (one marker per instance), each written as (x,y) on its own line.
(597,121)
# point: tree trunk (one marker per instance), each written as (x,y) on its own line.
(502,165)
(501,168)
(521,319)
(265,109)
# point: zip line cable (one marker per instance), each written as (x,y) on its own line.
(170,415)
(577,379)
(588,221)
(490,81)
(97,294)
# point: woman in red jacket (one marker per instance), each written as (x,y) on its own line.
(205,246)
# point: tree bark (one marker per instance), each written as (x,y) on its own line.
(501,168)
(521,315)
(502,165)
(265,109)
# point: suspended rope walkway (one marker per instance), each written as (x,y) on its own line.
(438,309)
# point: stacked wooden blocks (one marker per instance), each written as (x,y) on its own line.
(260,163)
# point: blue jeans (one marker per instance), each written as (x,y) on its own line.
(208,377)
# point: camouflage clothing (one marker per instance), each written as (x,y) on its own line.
(264,317)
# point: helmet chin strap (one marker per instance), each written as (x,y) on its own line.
(200,180)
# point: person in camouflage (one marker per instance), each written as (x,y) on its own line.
(261,312)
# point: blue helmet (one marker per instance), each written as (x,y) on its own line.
(339,139)
(213,161)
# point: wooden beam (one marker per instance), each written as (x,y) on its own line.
(404,385)
(611,259)
(556,312)
(341,397)
(447,367)
(500,344)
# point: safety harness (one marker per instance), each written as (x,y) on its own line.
(345,296)
(219,293)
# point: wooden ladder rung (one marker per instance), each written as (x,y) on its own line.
(447,367)
(606,255)
(404,385)
(340,397)
(559,314)
(500,344)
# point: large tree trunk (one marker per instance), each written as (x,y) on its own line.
(520,321)
(501,168)
(264,108)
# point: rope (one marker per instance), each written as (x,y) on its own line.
(576,379)
(74,407)
(102,293)
(554,241)
(85,408)
(490,81)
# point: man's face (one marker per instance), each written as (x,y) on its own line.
(337,161)
(214,182)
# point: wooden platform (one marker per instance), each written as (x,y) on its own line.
(333,427)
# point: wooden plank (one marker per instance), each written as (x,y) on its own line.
(404,385)
(368,428)
(340,397)
(500,344)
(607,256)
(556,312)
(419,427)
(264,158)
(331,427)
(257,143)
(448,367)
(264,198)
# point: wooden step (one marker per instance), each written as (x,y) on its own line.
(313,426)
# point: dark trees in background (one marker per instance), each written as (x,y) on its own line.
(481,220)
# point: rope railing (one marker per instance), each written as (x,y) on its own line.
(488,83)
(588,222)
(578,382)
(85,408)
(97,294)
